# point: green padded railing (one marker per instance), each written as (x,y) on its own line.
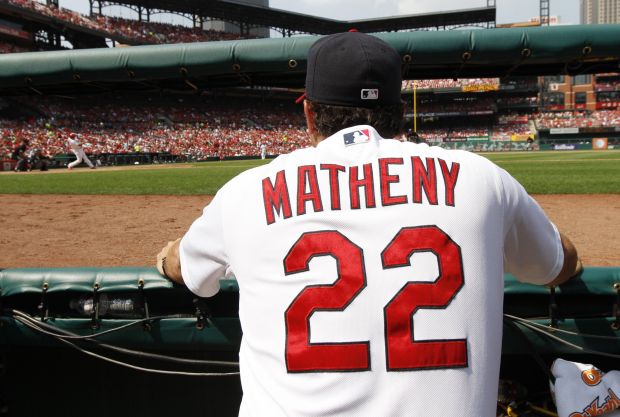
(594,280)
(587,304)
(426,54)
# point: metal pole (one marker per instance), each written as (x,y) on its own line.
(415,110)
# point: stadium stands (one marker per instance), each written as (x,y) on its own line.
(599,118)
(189,128)
(160,33)
(139,32)
(517,101)
(202,127)
(607,85)
(460,105)
(482,113)
(450,83)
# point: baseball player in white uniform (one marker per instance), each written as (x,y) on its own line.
(76,148)
(370,270)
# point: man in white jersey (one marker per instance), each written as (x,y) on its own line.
(370,270)
(76,148)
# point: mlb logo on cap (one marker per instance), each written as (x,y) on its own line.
(353,69)
(356,137)
(370,94)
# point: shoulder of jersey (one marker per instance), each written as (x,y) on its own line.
(310,153)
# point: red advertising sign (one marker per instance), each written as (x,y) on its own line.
(601,105)
(556,107)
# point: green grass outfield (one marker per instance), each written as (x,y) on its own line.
(551,172)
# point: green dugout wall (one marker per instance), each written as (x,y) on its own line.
(42,375)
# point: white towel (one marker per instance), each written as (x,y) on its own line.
(582,390)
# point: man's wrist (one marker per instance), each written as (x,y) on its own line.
(578,267)
(168,262)
(163,267)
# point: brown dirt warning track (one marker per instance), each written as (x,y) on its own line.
(76,230)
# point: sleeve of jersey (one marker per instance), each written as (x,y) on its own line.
(532,246)
(202,254)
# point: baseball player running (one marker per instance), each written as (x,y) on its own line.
(370,270)
(76,148)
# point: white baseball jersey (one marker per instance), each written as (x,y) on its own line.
(74,144)
(583,390)
(371,276)
(79,154)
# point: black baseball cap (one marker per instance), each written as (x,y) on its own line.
(353,69)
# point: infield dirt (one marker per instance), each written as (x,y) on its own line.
(103,230)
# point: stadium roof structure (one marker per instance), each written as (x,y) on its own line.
(282,62)
(256,15)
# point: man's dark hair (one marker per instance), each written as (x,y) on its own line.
(387,120)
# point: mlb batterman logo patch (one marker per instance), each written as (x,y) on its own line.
(370,94)
(356,137)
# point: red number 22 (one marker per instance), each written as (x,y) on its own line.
(403,352)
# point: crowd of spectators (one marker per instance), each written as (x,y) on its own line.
(513,119)
(134,30)
(517,101)
(193,130)
(55,12)
(608,99)
(470,132)
(497,128)
(159,33)
(450,83)
(467,105)
(509,125)
(432,133)
(607,84)
(197,128)
(599,118)
(201,127)
(506,132)
(491,146)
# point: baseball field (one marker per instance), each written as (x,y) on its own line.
(122,216)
